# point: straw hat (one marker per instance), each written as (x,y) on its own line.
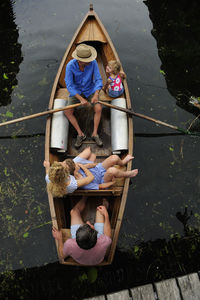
(84,53)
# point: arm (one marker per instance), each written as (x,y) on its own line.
(46,164)
(90,165)
(71,85)
(122,75)
(97,77)
(81,99)
(57,234)
(85,180)
(107,227)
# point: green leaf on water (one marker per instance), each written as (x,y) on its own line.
(92,274)
(26,234)
(9,114)
(83,277)
(162,72)
(6,171)
(171,149)
(5,76)
(136,249)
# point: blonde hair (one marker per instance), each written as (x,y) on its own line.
(58,176)
(115,65)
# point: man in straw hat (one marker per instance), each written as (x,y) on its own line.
(83,81)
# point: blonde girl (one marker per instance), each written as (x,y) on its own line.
(60,182)
(114,87)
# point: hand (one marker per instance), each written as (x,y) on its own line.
(57,234)
(103,210)
(46,164)
(95,98)
(77,167)
(90,165)
(109,184)
(83,101)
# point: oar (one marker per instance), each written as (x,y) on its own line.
(51,111)
(130,112)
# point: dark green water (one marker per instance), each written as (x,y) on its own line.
(159,45)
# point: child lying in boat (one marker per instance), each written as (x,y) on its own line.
(114,86)
(89,242)
(99,176)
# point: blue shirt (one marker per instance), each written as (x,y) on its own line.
(86,82)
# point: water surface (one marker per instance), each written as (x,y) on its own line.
(162,215)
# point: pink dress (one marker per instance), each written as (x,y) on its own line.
(116,85)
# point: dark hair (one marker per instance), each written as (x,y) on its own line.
(71,165)
(86,237)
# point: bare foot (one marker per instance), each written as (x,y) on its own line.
(105,203)
(127,159)
(132,173)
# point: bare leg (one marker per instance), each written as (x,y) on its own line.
(99,217)
(116,173)
(115,160)
(76,212)
(97,118)
(69,113)
(86,153)
(92,157)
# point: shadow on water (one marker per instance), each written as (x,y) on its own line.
(176,29)
(145,263)
(10,54)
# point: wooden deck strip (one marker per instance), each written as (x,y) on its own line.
(97,298)
(182,288)
(190,286)
(168,290)
(122,295)
(144,292)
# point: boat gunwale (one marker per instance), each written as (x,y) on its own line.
(130,139)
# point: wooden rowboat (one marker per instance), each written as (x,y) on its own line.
(91,31)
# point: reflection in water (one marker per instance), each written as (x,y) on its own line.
(10,52)
(176,29)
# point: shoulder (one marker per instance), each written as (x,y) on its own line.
(69,246)
(94,63)
(72,186)
(71,63)
(104,240)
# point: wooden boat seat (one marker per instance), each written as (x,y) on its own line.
(63,93)
(117,191)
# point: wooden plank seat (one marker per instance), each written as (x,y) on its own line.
(62,93)
(116,191)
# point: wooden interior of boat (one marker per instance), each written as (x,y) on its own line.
(64,205)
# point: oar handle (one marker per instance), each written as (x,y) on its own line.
(48,112)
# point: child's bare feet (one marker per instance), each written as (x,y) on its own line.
(105,203)
(127,159)
(132,173)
